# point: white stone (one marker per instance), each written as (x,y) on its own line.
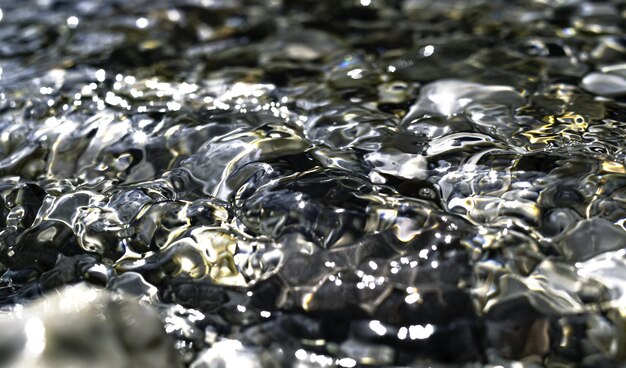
(608,85)
(81,326)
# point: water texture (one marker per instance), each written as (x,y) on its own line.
(234,183)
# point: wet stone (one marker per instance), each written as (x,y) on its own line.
(83,326)
(604,84)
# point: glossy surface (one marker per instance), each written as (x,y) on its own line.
(323,183)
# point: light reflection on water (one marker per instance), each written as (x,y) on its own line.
(312,183)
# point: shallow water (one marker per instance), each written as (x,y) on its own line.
(322,183)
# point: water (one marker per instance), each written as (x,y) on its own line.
(313,183)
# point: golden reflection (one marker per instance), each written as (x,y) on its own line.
(612,167)
(557,127)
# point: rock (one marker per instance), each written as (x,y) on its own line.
(608,85)
(81,326)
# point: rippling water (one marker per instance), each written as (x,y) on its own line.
(235,183)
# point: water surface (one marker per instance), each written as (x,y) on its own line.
(319,183)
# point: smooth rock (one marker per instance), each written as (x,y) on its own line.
(608,85)
(81,326)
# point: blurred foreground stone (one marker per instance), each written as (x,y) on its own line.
(80,326)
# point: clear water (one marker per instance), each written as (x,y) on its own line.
(324,183)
